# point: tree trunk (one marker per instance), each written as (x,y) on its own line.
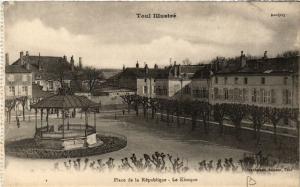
(258,134)
(152,113)
(178,120)
(221,127)
(145,111)
(168,117)
(275,132)
(23,106)
(194,122)
(137,110)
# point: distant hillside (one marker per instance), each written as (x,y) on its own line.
(110,72)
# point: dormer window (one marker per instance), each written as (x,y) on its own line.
(263,80)
(285,79)
(236,80)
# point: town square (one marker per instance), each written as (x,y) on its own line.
(205,88)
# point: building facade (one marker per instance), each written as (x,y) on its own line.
(269,82)
(18,83)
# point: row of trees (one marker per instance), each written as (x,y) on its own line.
(195,110)
(12,103)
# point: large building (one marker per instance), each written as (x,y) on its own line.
(269,82)
(18,83)
(47,71)
(170,82)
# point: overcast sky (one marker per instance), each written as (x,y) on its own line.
(109,34)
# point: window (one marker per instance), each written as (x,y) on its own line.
(245,95)
(236,80)
(254,95)
(187,90)
(263,80)
(230,96)
(24,78)
(145,80)
(12,89)
(260,95)
(236,94)
(273,96)
(145,90)
(50,85)
(285,79)
(216,93)
(286,96)
(225,80)
(226,96)
(25,89)
(245,80)
(11,78)
(216,80)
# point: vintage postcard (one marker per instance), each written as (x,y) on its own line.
(149,93)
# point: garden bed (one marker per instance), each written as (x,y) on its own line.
(29,148)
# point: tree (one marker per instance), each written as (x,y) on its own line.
(9,105)
(258,116)
(136,103)
(144,102)
(92,75)
(204,111)
(274,115)
(236,113)
(293,114)
(23,101)
(290,53)
(153,102)
(219,115)
(129,100)
(177,107)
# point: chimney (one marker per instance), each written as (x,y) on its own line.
(80,62)
(146,69)
(243,59)
(27,65)
(6,59)
(174,63)
(155,66)
(265,55)
(21,58)
(124,67)
(39,63)
(27,53)
(65,58)
(137,64)
(72,63)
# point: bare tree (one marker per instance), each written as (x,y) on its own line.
(274,115)
(92,75)
(258,116)
(23,101)
(129,100)
(219,115)
(9,105)
(236,113)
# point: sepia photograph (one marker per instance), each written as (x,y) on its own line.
(138,93)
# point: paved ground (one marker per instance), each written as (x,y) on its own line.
(141,139)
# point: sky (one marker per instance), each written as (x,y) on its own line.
(109,34)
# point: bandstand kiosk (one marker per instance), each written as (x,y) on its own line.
(63,134)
